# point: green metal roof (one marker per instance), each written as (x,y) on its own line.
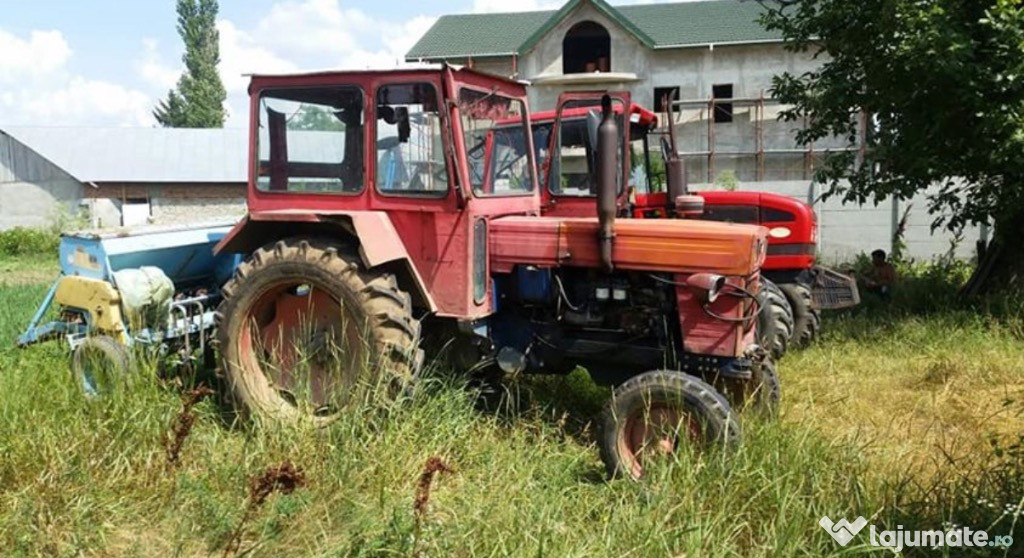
(672,25)
(477,34)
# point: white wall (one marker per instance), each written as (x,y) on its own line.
(32,189)
(178,210)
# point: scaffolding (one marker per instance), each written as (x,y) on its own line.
(753,143)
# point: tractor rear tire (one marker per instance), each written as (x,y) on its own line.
(775,322)
(99,364)
(307,310)
(806,318)
(654,412)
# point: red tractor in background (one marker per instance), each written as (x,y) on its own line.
(391,220)
(795,288)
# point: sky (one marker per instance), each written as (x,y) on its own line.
(108,62)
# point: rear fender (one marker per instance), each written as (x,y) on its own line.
(371,231)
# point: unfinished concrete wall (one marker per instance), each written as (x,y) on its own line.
(179,210)
(731,146)
(501,66)
(545,60)
(716,147)
(168,203)
(32,190)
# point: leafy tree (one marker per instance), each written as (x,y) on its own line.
(198,100)
(318,118)
(943,84)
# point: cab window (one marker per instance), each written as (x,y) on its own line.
(494,131)
(769,215)
(572,170)
(731,213)
(310,140)
(410,148)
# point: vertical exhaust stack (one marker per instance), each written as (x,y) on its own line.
(607,172)
(674,167)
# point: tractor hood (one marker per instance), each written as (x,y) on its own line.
(656,245)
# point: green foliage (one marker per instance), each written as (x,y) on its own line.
(943,83)
(315,118)
(198,101)
(27,241)
(726,180)
(43,241)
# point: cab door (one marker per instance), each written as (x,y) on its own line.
(568,172)
(497,167)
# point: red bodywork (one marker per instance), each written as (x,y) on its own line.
(431,242)
(649,245)
(792,225)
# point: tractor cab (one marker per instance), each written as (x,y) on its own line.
(404,160)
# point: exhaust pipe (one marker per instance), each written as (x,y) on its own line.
(675,167)
(607,172)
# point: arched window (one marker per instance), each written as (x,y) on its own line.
(587,47)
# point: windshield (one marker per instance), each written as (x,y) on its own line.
(493,129)
(576,176)
(310,140)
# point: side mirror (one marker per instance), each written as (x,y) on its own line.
(707,285)
(404,127)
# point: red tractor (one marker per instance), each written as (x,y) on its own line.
(391,220)
(794,287)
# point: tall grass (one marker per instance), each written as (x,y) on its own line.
(885,417)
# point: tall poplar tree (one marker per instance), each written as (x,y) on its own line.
(198,99)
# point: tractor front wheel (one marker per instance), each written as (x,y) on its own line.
(303,325)
(653,414)
(806,318)
(762,392)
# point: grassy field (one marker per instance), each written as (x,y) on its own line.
(908,415)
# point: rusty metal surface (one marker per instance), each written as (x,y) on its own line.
(671,246)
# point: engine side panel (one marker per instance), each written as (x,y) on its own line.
(667,246)
(705,334)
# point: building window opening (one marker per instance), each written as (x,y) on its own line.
(723,111)
(662,94)
(587,48)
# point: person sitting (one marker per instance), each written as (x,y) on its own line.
(881,276)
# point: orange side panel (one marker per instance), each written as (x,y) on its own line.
(661,245)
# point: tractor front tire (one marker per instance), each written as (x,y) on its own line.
(775,321)
(307,314)
(651,414)
(806,318)
(761,393)
(99,364)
